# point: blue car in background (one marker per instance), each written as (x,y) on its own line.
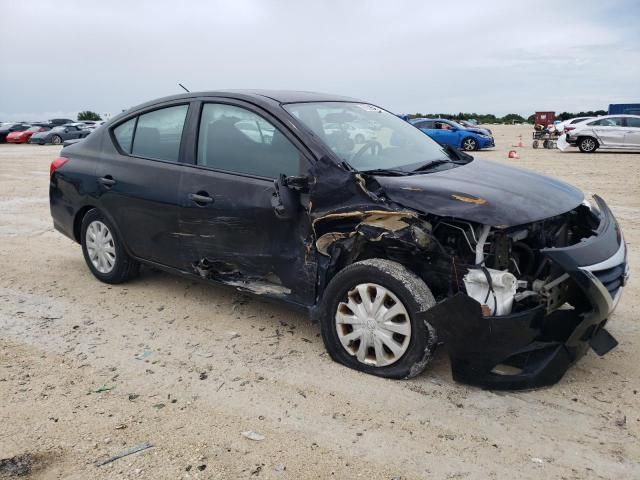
(448,132)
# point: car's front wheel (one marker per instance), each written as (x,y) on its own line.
(370,319)
(469,144)
(103,251)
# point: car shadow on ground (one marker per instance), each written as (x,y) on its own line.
(265,313)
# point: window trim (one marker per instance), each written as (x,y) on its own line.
(265,115)
(137,114)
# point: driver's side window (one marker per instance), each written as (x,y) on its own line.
(237,140)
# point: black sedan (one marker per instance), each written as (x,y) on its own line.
(392,244)
(7,128)
(57,135)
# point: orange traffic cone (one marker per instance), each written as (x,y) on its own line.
(513,154)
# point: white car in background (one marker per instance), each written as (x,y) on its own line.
(569,124)
(610,132)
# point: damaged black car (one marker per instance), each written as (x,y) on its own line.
(391,242)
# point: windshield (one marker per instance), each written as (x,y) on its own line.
(367,137)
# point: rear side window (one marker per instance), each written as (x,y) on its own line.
(158,133)
(238,140)
(124,134)
(633,122)
(608,122)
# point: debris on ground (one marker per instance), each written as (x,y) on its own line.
(103,388)
(143,355)
(131,451)
(251,435)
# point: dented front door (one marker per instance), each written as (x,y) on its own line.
(228,226)
(236,238)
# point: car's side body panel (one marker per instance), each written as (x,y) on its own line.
(625,135)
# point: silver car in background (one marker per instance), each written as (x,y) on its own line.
(610,132)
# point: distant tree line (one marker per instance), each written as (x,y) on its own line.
(89,115)
(509,118)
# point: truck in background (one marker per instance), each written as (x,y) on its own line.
(624,108)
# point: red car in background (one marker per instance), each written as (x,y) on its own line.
(24,136)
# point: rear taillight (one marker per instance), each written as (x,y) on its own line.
(568,129)
(57,163)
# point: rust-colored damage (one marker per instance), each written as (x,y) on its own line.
(463,197)
(374,225)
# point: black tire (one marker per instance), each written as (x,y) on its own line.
(124,268)
(588,144)
(56,140)
(536,143)
(408,288)
(469,144)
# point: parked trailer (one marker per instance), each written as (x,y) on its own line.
(543,130)
(624,108)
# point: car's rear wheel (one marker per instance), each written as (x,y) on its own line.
(469,144)
(370,319)
(103,251)
(587,144)
(56,140)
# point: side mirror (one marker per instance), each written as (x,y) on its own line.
(285,199)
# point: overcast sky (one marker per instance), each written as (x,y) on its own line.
(499,57)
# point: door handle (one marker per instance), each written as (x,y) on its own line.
(107,181)
(200,198)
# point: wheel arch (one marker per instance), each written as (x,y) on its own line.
(362,249)
(77,225)
(77,221)
(589,135)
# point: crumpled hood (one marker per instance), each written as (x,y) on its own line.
(480,131)
(485,192)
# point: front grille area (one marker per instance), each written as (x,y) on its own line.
(612,278)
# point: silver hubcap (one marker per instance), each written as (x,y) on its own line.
(588,144)
(55,140)
(100,247)
(469,144)
(373,325)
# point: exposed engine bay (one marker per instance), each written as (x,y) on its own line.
(503,268)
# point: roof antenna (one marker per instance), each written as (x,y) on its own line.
(184,88)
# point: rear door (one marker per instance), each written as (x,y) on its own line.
(632,132)
(228,227)
(610,131)
(139,183)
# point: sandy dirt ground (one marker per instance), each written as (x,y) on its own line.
(88,370)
